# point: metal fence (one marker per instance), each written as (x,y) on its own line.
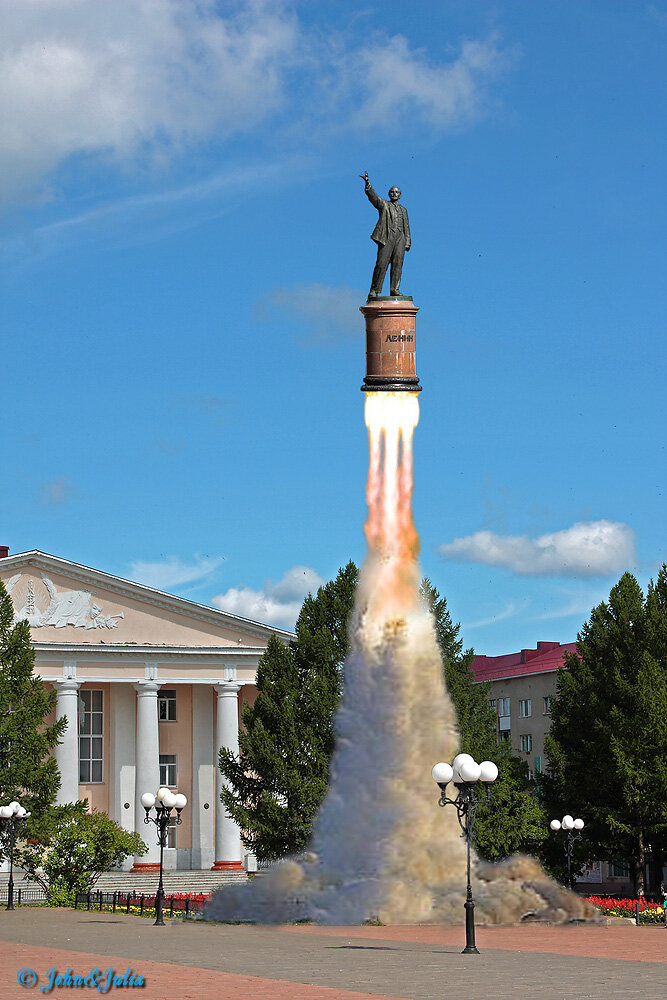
(188,904)
(22,897)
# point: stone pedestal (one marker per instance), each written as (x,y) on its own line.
(390,345)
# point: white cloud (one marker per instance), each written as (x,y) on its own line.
(511,609)
(172,573)
(329,313)
(596,548)
(225,185)
(123,80)
(276,603)
(396,81)
(160,212)
(133,83)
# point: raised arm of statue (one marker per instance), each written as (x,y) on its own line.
(371,193)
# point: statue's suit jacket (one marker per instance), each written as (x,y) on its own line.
(380,234)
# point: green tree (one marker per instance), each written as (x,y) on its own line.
(28,771)
(656,634)
(514,820)
(277,782)
(69,848)
(607,747)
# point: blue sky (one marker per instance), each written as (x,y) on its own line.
(184,244)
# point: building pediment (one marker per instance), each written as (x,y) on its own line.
(66,602)
(38,600)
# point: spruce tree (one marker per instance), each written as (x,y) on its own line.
(607,747)
(656,637)
(277,782)
(514,820)
(28,771)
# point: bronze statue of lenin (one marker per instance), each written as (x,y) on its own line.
(392,235)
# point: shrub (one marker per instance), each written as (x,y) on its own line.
(58,894)
(71,847)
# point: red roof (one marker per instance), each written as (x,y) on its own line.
(546,657)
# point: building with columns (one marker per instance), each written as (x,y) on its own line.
(152,686)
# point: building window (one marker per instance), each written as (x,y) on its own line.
(168,769)
(504,735)
(166,706)
(526,743)
(525,708)
(91,738)
(538,765)
(547,704)
(503,714)
(171,832)
(619,869)
(492,704)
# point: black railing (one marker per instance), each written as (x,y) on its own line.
(23,897)
(123,902)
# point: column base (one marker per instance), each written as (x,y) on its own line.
(228,866)
(145,866)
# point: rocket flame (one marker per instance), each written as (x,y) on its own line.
(380,846)
(393,542)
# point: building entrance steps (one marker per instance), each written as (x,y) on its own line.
(178,881)
(174,881)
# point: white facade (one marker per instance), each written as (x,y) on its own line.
(152,687)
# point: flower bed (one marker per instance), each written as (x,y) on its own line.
(182,904)
(650,913)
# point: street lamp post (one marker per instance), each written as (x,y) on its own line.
(465,773)
(10,817)
(163,802)
(573,828)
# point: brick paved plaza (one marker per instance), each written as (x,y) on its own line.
(318,963)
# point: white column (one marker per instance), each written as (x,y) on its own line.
(227,833)
(67,751)
(122,756)
(202,801)
(147,760)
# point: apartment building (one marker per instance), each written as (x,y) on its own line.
(523,685)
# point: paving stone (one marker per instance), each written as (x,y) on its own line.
(323,963)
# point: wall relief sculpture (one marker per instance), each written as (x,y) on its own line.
(43,605)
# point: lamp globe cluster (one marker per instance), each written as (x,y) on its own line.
(567,823)
(9,817)
(14,809)
(164,800)
(464,770)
